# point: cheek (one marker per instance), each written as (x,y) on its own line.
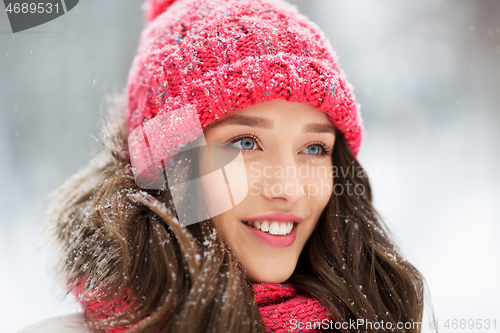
(325,195)
(213,187)
(228,230)
(221,225)
(225,187)
(319,187)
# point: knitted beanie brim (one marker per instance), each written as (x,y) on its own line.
(280,76)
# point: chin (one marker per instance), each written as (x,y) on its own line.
(271,274)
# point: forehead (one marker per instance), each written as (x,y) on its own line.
(278,112)
(280,106)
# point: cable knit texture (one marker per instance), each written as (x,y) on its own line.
(220,55)
(282,307)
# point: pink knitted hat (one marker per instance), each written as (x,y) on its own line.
(219,55)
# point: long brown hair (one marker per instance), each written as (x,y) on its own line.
(121,242)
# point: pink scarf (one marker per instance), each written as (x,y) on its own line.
(284,308)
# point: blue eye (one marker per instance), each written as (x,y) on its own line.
(245,144)
(313,150)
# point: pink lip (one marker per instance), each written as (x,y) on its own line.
(278,217)
(273,240)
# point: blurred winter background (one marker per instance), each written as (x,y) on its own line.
(427,74)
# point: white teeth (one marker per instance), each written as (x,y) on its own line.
(264,226)
(283,229)
(274,228)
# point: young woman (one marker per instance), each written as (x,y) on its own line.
(285,241)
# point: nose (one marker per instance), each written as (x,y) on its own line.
(281,180)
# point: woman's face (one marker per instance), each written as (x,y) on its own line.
(286,149)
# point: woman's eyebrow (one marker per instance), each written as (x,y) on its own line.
(245,121)
(318,128)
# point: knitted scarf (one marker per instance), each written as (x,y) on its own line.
(284,308)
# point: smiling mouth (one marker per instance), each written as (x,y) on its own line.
(272,227)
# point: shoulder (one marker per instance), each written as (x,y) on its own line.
(73,323)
